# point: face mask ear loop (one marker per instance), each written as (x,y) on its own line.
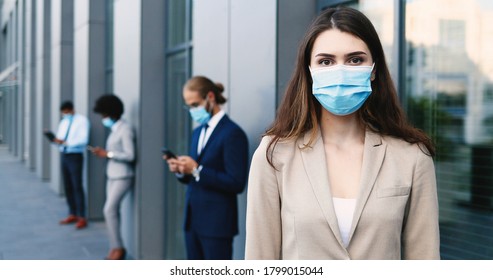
(373,74)
(208,103)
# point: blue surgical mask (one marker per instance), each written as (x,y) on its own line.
(200,114)
(108,122)
(67,116)
(342,89)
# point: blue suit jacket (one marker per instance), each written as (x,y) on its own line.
(211,207)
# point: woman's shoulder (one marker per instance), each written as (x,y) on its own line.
(404,148)
(272,153)
(278,145)
(126,127)
(277,149)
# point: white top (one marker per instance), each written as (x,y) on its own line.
(344,208)
(78,134)
(212,123)
(116,125)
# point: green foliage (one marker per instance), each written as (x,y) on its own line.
(427,115)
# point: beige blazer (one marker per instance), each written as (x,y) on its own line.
(290,213)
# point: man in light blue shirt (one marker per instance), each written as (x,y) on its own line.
(72,137)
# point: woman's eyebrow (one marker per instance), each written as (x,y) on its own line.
(324,55)
(346,55)
(355,53)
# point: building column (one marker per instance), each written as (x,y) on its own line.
(62,73)
(30,84)
(89,84)
(13,31)
(2,95)
(150,191)
(127,73)
(21,58)
(43,87)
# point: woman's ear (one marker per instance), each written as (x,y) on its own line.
(373,73)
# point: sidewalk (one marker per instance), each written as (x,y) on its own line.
(29,215)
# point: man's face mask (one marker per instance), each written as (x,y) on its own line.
(67,116)
(200,114)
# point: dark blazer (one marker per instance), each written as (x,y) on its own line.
(211,207)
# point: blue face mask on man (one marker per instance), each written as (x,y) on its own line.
(108,122)
(342,89)
(200,114)
(67,116)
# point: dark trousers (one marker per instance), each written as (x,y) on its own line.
(208,248)
(72,178)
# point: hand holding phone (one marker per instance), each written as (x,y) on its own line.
(168,153)
(50,135)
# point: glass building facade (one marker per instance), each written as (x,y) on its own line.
(439,53)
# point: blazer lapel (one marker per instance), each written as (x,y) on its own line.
(217,131)
(316,168)
(373,155)
(195,143)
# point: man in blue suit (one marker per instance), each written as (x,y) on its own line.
(215,173)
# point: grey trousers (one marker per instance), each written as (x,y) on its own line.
(115,191)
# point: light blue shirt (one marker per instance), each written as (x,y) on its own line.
(78,135)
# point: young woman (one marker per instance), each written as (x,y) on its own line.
(340,174)
(120,152)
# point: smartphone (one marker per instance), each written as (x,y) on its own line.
(50,135)
(168,153)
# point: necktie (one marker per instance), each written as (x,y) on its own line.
(66,134)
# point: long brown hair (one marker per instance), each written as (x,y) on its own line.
(300,112)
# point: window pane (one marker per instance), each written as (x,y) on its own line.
(177,22)
(178,128)
(381,14)
(449,73)
(177,122)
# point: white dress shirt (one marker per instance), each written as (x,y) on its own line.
(78,134)
(212,123)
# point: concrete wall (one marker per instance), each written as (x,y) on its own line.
(235,44)
(250,50)
(21,28)
(62,72)
(293,20)
(89,84)
(150,187)
(30,84)
(127,33)
(3,115)
(8,70)
(43,87)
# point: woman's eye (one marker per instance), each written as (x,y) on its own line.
(324,62)
(355,60)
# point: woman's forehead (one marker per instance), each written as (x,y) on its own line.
(336,42)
